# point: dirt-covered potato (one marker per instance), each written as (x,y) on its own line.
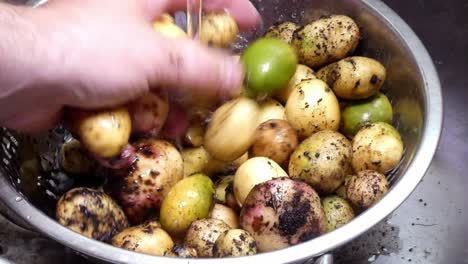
(103,132)
(323,160)
(202,235)
(282,212)
(190,199)
(141,190)
(302,73)
(234,243)
(274,139)
(167,27)
(254,171)
(182,251)
(312,107)
(194,135)
(366,188)
(230,133)
(74,158)
(218,30)
(377,146)
(338,212)
(354,77)
(91,213)
(224,192)
(149,113)
(225,214)
(326,40)
(283,31)
(270,109)
(148,238)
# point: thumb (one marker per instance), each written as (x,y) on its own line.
(190,67)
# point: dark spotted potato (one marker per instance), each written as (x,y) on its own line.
(326,40)
(91,213)
(234,243)
(366,188)
(148,238)
(302,73)
(354,77)
(338,212)
(182,251)
(274,139)
(282,212)
(218,30)
(283,31)
(202,235)
(74,158)
(323,160)
(158,167)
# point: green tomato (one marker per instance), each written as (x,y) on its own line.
(270,64)
(190,199)
(374,109)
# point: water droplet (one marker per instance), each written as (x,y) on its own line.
(18,199)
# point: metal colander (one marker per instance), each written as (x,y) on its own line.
(32,178)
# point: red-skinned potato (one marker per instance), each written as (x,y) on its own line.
(149,113)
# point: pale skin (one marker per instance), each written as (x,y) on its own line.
(93,54)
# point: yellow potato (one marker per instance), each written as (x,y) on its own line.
(167,27)
(302,73)
(271,109)
(218,30)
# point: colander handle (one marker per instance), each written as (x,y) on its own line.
(14,219)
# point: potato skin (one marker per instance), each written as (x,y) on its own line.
(230,133)
(202,235)
(274,139)
(189,200)
(377,146)
(254,171)
(198,160)
(158,167)
(282,212)
(182,251)
(354,77)
(323,160)
(103,132)
(302,73)
(91,213)
(338,212)
(148,238)
(218,30)
(283,31)
(312,107)
(74,158)
(234,243)
(149,113)
(270,109)
(326,40)
(225,214)
(366,188)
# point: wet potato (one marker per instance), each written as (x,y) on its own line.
(202,235)
(74,158)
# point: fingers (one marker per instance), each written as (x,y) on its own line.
(193,68)
(243,11)
(36,121)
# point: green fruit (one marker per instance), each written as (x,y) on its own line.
(269,63)
(189,200)
(338,212)
(374,109)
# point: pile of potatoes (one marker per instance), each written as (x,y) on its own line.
(258,173)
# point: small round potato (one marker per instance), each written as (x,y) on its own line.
(230,133)
(312,107)
(366,188)
(218,30)
(91,213)
(148,238)
(326,40)
(149,113)
(354,77)
(282,212)
(103,132)
(74,158)
(195,160)
(190,199)
(234,243)
(377,146)
(338,212)
(202,235)
(283,31)
(274,139)
(323,160)
(271,109)
(182,251)
(225,214)
(252,172)
(302,73)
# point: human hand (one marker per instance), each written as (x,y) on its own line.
(94,54)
